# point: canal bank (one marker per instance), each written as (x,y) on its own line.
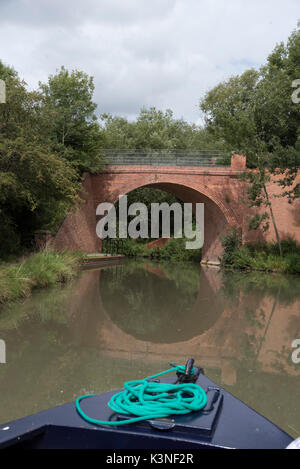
(45,269)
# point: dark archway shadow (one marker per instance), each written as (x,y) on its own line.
(216,221)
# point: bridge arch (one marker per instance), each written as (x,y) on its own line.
(189,176)
(217,216)
(218,188)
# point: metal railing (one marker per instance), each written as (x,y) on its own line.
(112,246)
(166,157)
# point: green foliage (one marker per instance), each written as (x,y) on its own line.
(132,248)
(155,129)
(40,174)
(228,110)
(289,246)
(261,256)
(255,114)
(40,270)
(231,241)
(147,196)
(292,264)
(36,186)
(174,250)
(68,111)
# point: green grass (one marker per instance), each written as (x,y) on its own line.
(40,270)
(263,257)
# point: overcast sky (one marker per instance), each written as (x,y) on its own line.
(163,53)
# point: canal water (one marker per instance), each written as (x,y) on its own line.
(129,321)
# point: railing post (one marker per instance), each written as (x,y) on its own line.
(238,162)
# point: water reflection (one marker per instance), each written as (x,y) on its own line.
(129,321)
(159,303)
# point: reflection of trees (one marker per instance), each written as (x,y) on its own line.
(282,361)
(147,305)
(42,307)
(45,369)
(262,298)
(159,302)
(258,285)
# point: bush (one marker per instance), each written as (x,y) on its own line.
(241,258)
(292,262)
(174,250)
(40,270)
(261,256)
(231,242)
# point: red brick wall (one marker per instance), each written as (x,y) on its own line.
(78,231)
(218,188)
(158,243)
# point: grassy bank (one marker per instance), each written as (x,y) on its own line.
(262,257)
(40,270)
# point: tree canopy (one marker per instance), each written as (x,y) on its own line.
(255,113)
(69,113)
(36,184)
(156,129)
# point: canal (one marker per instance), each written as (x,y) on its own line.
(130,320)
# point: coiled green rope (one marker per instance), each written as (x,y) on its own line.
(149,400)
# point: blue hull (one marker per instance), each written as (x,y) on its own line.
(226,422)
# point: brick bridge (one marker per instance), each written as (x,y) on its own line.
(191,179)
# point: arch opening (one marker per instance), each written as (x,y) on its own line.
(216,216)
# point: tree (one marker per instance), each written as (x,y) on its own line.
(157,130)
(255,115)
(258,196)
(19,113)
(229,111)
(69,113)
(118,132)
(36,185)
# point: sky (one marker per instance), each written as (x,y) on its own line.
(162,53)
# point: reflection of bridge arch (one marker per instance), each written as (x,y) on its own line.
(221,347)
(150,305)
(215,347)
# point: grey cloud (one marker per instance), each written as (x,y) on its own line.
(46,13)
(165,53)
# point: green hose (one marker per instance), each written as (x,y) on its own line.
(149,400)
